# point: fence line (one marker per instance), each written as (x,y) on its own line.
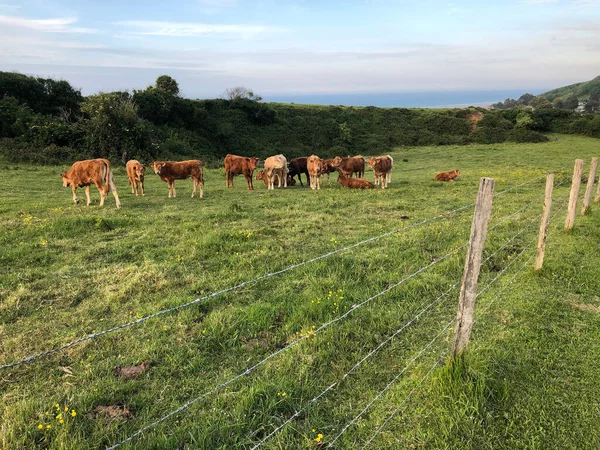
(290,345)
(481,314)
(371,353)
(139,321)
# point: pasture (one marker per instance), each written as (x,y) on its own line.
(530,378)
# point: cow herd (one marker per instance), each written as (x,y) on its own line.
(276,170)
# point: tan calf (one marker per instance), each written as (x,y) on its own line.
(169,171)
(314,166)
(135,176)
(88,172)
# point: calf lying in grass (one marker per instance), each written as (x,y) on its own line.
(354,183)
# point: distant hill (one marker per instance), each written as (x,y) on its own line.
(582,90)
(582,97)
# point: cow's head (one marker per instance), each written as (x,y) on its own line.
(157,166)
(252,163)
(65,179)
(260,175)
(138,171)
(457,172)
(372,161)
(336,162)
(291,181)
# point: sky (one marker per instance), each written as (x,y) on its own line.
(304,46)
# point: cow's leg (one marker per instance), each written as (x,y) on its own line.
(201,183)
(73,188)
(113,189)
(194,182)
(132,183)
(142,183)
(87,195)
(173,187)
(300,178)
(249,181)
(318,182)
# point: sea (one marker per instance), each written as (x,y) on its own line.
(428,99)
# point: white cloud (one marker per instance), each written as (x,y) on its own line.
(215,6)
(155,28)
(61,25)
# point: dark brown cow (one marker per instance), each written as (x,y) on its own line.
(297,166)
(169,171)
(236,165)
(88,172)
(447,176)
(354,183)
(349,166)
(135,175)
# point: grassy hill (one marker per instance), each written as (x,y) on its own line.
(582,90)
(529,380)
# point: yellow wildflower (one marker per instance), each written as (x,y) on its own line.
(66,408)
(40,426)
(48,427)
(59,416)
(61,421)
(73,413)
(319,437)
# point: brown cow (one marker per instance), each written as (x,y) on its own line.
(88,172)
(354,183)
(261,176)
(447,176)
(349,166)
(169,171)
(297,166)
(236,165)
(328,169)
(382,166)
(313,164)
(135,175)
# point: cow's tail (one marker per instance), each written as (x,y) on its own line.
(106,173)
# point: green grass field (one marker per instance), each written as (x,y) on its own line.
(530,379)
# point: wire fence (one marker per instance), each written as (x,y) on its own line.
(139,321)
(341,317)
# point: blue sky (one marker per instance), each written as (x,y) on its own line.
(304,46)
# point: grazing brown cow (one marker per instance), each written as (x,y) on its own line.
(261,176)
(169,171)
(349,166)
(236,165)
(354,183)
(327,169)
(297,166)
(135,175)
(313,164)
(382,167)
(275,166)
(447,176)
(88,172)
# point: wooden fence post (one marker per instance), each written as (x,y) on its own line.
(541,248)
(587,199)
(468,289)
(570,220)
(597,198)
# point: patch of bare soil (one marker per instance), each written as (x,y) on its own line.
(132,372)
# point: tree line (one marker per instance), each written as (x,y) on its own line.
(48,121)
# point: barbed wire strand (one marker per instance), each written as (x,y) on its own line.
(359,363)
(290,345)
(91,336)
(391,382)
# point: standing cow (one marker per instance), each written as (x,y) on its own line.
(236,165)
(276,166)
(327,168)
(169,171)
(313,164)
(382,167)
(88,172)
(349,166)
(135,175)
(297,166)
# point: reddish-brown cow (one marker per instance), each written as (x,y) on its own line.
(169,171)
(349,166)
(88,172)
(135,175)
(327,169)
(297,166)
(447,176)
(382,167)
(354,183)
(236,165)
(313,164)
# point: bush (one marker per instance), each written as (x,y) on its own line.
(522,135)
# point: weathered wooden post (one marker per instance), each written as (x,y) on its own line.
(541,248)
(587,199)
(597,198)
(468,289)
(570,220)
